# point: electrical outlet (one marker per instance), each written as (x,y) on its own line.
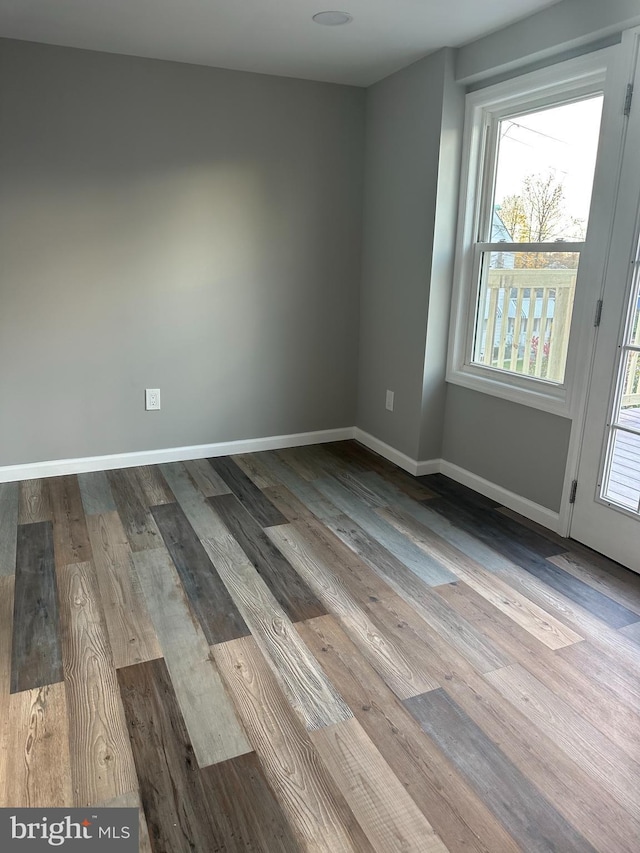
(389,404)
(152,399)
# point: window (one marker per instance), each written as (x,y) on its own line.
(621,480)
(530,155)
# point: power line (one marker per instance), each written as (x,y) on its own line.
(532,130)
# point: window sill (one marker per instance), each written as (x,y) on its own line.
(527,392)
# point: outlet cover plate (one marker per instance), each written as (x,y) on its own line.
(152,399)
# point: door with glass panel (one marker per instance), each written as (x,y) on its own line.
(606,513)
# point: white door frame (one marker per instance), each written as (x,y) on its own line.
(595,256)
(589,517)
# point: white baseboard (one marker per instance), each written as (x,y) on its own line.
(59,467)
(393,455)
(428,466)
(529,509)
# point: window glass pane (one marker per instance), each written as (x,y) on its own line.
(544,175)
(623,481)
(621,484)
(524,312)
(633,329)
(629,413)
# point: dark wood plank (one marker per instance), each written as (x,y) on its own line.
(444,486)
(502,526)
(246,812)
(70,536)
(287,587)
(365,460)
(609,611)
(454,809)
(36,657)
(9,500)
(536,541)
(7,584)
(171,789)
(247,492)
(303,460)
(322,462)
(211,602)
(131,501)
(563,543)
(353,456)
(225,807)
(524,812)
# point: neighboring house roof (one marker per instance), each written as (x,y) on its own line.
(500,234)
(499,231)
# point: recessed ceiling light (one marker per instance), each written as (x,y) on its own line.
(332,19)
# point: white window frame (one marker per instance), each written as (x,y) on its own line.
(572,80)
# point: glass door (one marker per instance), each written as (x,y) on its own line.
(606,514)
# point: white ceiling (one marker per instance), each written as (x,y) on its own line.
(268,36)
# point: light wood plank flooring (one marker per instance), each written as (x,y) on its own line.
(310,650)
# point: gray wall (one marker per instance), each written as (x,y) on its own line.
(172,226)
(441,272)
(402,173)
(563,27)
(517,447)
